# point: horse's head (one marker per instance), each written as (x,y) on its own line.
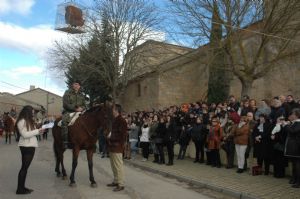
(5,115)
(103,114)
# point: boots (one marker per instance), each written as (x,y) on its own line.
(64,132)
(183,154)
(162,160)
(170,163)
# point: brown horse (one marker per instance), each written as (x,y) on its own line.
(83,136)
(9,126)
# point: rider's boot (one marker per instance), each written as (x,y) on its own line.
(65,137)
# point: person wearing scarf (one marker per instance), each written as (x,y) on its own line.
(214,142)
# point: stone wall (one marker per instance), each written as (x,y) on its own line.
(186,83)
(150,55)
(148,97)
(191,152)
(282,80)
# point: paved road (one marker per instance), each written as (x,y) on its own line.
(42,179)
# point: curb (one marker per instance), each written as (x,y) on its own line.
(196,182)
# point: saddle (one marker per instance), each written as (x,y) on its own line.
(74,116)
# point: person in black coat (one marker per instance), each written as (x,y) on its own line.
(262,144)
(184,140)
(170,138)
(198,135)
(161,132)
(279,138)
(277,110)
(290,104)
(292,147)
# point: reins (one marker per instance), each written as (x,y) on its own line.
(86,129)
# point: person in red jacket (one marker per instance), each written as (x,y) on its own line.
(116,143)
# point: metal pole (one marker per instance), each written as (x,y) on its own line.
(47,103)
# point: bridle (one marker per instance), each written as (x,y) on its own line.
(87,130)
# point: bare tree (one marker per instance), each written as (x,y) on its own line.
(131,22)
(257,35)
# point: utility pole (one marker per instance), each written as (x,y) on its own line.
(47,104)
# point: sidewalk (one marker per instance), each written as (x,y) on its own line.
(243,186)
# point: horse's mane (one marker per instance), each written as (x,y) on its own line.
(94,109)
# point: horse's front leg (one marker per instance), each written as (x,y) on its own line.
(74,165)
(63,170)
(57,159)
(89,154)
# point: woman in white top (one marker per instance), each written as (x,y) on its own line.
(144,139)
(27,132)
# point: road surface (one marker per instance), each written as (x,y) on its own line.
(41,177)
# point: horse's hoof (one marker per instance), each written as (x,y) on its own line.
(72,184)
(58,175)
(65,177)
(94,185)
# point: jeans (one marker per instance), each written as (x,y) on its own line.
(170,149)
(160,148)
(199,146)
(154,149)
(133,147)
(145,149)
(182,152)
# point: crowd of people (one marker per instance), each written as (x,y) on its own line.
(270,129)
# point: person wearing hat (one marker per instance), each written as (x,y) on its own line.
(73,101)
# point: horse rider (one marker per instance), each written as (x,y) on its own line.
(73,101)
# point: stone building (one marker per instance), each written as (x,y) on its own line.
(170,75)
(9,101)
(51,102)
(183,78)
